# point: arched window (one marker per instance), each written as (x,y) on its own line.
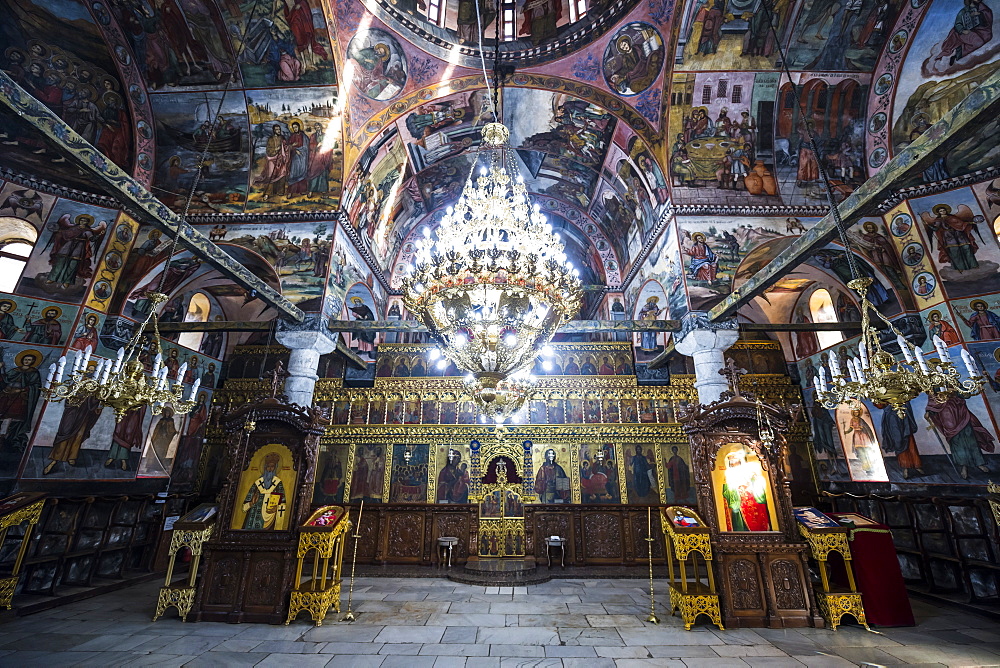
(17,238)
(821,309)
(197,311)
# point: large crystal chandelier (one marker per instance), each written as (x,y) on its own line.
(493,284)
(877,376)
(122,383)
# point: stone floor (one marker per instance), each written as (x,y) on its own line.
(434,622)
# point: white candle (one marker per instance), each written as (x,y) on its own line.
(86,358)
(157,363)
(52,374)
(905,347)
(850,370)
(863,354)
(181,371)
(835,366)
(61,369)
(970,363)
(107,371)
(121,358)
(194,388)
(919,355)
(76,361)
(942,349)
(818,383)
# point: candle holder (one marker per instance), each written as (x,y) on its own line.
(653,619)
(350,616)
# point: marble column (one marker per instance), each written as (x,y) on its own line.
(306,346)
(706,341)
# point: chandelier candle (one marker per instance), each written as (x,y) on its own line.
(877,376)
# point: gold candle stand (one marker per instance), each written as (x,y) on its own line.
(30,511)
(686,535)
(191,532)
(324,535)
(833,605)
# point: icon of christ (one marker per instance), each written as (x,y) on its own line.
(745,492)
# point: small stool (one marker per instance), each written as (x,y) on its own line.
(557,542)
(446,543)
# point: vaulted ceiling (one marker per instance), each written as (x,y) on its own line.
(616,107)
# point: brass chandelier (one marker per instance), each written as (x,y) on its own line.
(122,383)
(877,376)
(493,284)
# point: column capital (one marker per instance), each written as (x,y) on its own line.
(311,333)
(699,333)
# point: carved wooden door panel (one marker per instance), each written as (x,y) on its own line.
(501,523)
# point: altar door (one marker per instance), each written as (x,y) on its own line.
(501,523)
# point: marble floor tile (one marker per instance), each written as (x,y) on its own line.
(412,623)
(355,661)
(407,634)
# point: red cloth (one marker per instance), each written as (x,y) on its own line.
(876,571)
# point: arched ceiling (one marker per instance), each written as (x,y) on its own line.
(369,107)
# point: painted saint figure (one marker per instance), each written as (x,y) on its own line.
(73,244)
(953,234)
(45,330)
(86,334)
(643,474)
(453,480)
(973,28)
(984,325)
(20,390)
(678,476)
(74,428)
(899,436)
(277,160)
(863,442)
(937,326)
(704,262)
(265,502)
(745,494)
(967,438)
(8,326)
(127,435)
(551,481)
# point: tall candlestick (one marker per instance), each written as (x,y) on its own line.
(360,510)
(52,374)
(863,354)
(835,366)
(919,355)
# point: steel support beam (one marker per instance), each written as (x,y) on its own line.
(134,197)
(981,105)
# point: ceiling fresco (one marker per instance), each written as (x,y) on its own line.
(618,109)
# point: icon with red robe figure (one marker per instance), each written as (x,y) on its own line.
(745,494)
